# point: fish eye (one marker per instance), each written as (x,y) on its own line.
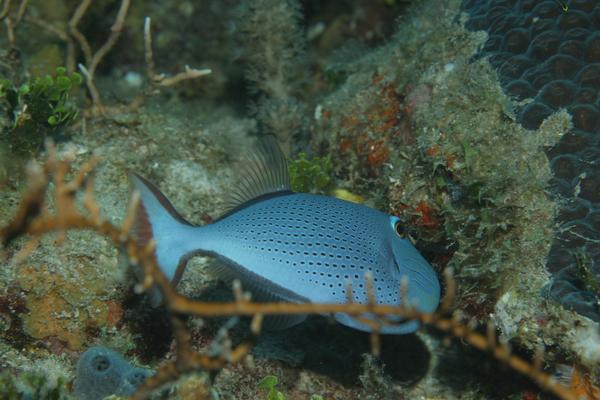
(399,227)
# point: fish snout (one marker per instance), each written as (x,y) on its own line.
(422,286)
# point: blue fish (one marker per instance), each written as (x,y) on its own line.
(294,247)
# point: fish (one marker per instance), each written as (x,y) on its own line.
(293,247)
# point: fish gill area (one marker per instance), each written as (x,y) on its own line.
(386,103)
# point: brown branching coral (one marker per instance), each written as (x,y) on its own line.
(93,59)
(161,79)
(11,20)
(76,41)
(73,37)
(33,218)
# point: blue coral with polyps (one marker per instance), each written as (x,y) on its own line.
(547,55)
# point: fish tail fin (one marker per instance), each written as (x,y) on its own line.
(156,219)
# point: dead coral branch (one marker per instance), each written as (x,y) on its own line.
(33,218)
(11,22)
(92,60)
(162,79)
(76,42)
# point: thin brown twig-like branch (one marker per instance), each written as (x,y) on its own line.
(162,79)
(115,32)
(5,9)
(74,38)
(148,55)
(60,33)
(11,23)
(29,220)
(93,59)
(21,11)
(84,45)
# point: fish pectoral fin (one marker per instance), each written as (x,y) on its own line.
(262,290)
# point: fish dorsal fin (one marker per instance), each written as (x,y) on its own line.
(263,171)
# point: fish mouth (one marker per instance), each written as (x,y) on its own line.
(423,290)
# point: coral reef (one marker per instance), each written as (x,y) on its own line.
(546,55)
(68,215)
(415,123)
(472,181)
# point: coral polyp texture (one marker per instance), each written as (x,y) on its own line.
(547,56)
(101,372)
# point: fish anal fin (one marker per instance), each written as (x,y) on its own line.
(181,266)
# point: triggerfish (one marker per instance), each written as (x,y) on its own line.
(294,247)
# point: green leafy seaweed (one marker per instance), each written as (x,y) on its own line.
(38,108)
(269,383)
(310,175)
(31,385)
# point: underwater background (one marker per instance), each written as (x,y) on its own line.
(476,122)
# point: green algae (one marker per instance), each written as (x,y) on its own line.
(584,268)
(310,175)
(269,383)
(38,108)
(31,386)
